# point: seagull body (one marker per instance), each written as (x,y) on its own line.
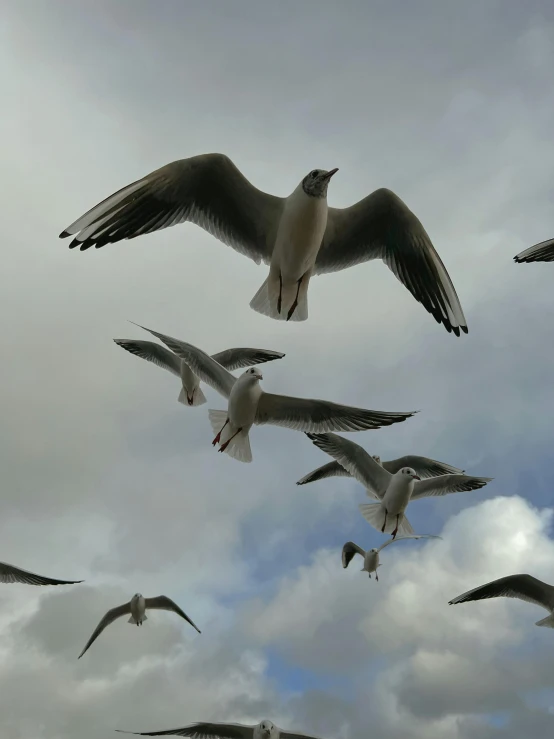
(191,393)
(248,404)
(298,236)
(11,574)
(543,252)
(203,730)
(392,492)
(423,466)
(371,557)
(523,587)
(136,609)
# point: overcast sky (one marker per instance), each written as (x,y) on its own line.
(106,477)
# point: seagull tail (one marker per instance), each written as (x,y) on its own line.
(133,620)
(548,622)
(266,300)
(239,446)
(198,397)
(375,516)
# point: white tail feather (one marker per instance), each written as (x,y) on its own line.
(217,419)
(133,620)
(198,397)
(265,301)
(374,514)
(548,622)
(239,447)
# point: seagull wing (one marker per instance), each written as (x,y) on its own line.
(11,574)
(108,619)
(208,190)
(203,730)
(233,359)
(381,226)
(446,484)
(152,352)
(349,551)
(543,252)
(303,414)
(356,460)
(163,603)
(294,735)
(524,587)
(402,538)
(203,366)
(331,469)
(424,466)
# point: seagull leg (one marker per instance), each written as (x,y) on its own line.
(384,523)
(396,529)
(295,304)
(280,298)
(223,447)
(376,576)
(218,437)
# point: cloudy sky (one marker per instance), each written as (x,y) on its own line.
(106,477)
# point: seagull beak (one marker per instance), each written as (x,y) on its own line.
(416,477)
(328,175)
(260,377)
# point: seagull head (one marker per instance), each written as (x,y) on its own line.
(315,183)
(253,373)
(266,728)
(409,472)
(377,458)
(373,551)
(136,596)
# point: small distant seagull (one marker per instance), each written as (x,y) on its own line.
(137,607)
(298,236)
(264,730)
(392,492)
(371,557)
(543,252)
(11,574)
(423,466)
(249,405)
(524,587)
(191,394)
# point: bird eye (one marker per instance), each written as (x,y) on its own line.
(314,174)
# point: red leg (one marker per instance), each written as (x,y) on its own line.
(396,529)
(295,304)
(384,524)
(223,447)
(218,437)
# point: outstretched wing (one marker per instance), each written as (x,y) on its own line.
(163,603)
(446,484)
(152,352)
(523,587)
(203,730)
(108,619)
(233,359)
(11,574)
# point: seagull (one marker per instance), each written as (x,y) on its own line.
(249,405)
(264,730)
(137,607)
(371,557)
(298,236)
(423,466)
(524,587)
(543,252)
(392,492)
(191,394)
(11,574)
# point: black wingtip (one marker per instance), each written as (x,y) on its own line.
(64,235)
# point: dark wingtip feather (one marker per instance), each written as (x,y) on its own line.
(64,235)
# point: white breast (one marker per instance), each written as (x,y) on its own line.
(188,378)
(243,403)
(398,494)
(371,561)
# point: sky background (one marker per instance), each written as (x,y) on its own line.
(106,477)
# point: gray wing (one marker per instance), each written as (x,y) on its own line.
(356,460)
(152,352)
(207,190)
(203,366)
(163,603)
(446,484)
(108,619)
(331,469)
(524,587)
(11,574)
(381,226)
(424,466)
(294,735)
(402,538)
(233,359)
(349,550)
(203,730)
(543,252)
(317,416)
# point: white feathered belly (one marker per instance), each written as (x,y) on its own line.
(243,404)
(299,238)
(397,498)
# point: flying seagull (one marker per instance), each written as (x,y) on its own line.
(249,405)
(11,574)
(423,466)
(371,557)
(298,236)
(524,587)
(191,394)
(543,252)
(264,730)
(137,607)
(392,492)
